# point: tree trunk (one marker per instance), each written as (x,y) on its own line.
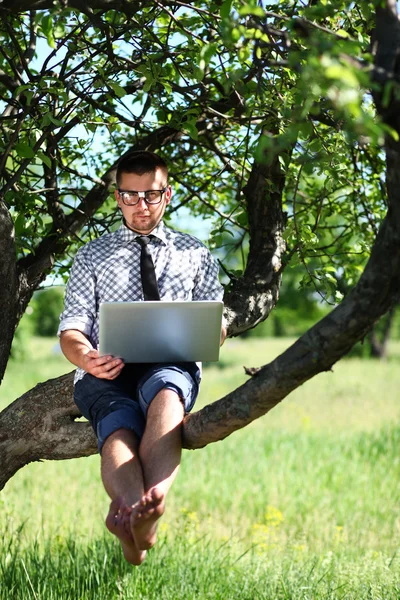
(379,340)
(8,292)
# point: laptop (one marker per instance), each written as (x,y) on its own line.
(161,331)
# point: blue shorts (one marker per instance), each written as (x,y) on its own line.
(123,402)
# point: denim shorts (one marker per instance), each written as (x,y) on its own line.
(123,402)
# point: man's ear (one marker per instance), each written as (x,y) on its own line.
(168,195)
(117,197)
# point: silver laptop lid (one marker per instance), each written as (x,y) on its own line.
(161,331)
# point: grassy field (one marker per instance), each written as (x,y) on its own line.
(302,504)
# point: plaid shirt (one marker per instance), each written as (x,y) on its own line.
(108,270)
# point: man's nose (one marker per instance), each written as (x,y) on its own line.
(142,202)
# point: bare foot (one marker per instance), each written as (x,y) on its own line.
(144,517)
(118,523)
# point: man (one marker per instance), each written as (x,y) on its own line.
(136,410)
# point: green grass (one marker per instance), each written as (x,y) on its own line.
(303,503)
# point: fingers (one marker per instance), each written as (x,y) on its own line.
(110,369)
(103,367)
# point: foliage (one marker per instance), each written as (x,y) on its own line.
(230,82)
(46,307)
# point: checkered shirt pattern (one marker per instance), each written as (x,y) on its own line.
(108,270)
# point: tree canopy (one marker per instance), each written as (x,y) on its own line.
(278,121)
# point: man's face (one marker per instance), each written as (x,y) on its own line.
(142,217)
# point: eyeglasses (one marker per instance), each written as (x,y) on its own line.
(130,197)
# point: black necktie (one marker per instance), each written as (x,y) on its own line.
(147,271)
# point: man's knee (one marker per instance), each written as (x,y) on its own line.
(170,386)
(166,399)
(124,436)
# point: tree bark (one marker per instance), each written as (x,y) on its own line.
(379,341)
(41,424)
(8,292)
(256,293)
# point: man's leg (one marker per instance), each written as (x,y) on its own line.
(122,477)
(160,454)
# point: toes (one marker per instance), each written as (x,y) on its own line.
(117,516)
(156,495)
(111,523)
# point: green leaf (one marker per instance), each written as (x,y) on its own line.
(118,89)
(29,96)
(208,51)
(22,88)
(191,129)
(45,159)
(392,132)
(258,11)
(225,9)
(387,93)
(55,121)
(45,120)
(198,73)
(19,224)
(24,150)
(343,33)
(242,218)
(149,80)
(47,27)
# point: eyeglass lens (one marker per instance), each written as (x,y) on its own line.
(151,197)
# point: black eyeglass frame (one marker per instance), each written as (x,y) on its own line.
(121,192)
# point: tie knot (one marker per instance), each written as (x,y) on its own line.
(143,240)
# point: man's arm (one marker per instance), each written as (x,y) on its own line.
(208,286)
(79,351)
(77,321)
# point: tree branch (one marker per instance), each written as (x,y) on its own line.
(126,6)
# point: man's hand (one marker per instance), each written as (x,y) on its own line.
(77,348)
(103,367)
(223,335)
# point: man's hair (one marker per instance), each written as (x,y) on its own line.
(140,163)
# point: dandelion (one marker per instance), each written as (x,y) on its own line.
(163,527)
(190,516)
(191,523)
(273,517)
(263,537)
(338,535)
(259,530)
(299,547)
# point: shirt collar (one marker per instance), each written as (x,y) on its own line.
(127,235)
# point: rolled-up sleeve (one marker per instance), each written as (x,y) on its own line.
(80,296)
(207,285)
